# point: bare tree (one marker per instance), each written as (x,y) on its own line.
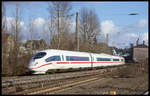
(16,30)
(16,24)
(94,27)
(83,17)
(89,26)
(59,12)
(3,18)
(31,28)
(4,49)
(45,35)
(52,32)
(31,31)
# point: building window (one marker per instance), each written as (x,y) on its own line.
(75,58)
(53,58)
(103,59)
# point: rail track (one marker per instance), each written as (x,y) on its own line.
(47,84)
(65,86)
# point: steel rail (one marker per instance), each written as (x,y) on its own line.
(29,80)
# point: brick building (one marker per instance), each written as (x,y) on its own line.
(139,52)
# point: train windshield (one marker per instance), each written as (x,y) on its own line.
(39,55)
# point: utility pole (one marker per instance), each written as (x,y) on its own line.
(107,38)
(77,32)
(58,29)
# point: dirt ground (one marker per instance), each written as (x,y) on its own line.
(131,80)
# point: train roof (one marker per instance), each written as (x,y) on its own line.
(66,51)
(55,50)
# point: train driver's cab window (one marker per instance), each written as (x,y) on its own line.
(39,55)
(53,58)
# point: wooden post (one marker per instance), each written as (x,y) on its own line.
(77,32)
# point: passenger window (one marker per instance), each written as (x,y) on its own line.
(53,58)
(115,59)
(103,59)
(75,58)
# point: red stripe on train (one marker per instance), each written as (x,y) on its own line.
(79,62)
(85,62)
(41,66)
(75,63)
(62,62)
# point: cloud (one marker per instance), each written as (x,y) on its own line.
(38,27)
(109,27)
(39,22)
(132,35)
(119,37)
(145,36)
(10,23)
(123,36)
(25,34)
(142,23)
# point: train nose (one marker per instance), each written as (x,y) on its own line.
(31,64)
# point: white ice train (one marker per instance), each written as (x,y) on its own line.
(51,59)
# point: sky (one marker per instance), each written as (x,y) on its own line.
(114,19)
